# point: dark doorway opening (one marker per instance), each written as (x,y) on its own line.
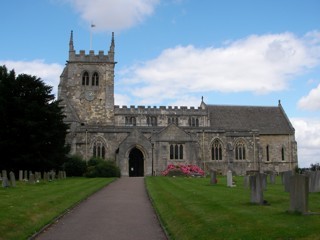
(136,165)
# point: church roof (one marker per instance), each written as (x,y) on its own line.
(268,120)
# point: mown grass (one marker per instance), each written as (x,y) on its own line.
(191,208)
(27,208)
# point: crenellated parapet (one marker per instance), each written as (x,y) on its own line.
(82,56)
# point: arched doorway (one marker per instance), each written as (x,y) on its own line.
(136,165)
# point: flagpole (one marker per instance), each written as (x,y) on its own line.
(91,26)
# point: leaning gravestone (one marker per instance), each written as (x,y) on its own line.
(256,191)
(12,179)
(299,190)
(229,179)
(213,177)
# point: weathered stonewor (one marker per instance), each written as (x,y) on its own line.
(12,179)
(286,180)
(314,181)
(213,177)
(256,192)
(299,190)
(20,175)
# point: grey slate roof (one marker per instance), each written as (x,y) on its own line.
(268,120)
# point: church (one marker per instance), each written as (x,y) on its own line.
(144,140)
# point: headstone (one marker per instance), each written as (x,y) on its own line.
(20,175)
(5,182)
(26,175)
(31,179)
(314,181)
(299,190)
(256,191)
(263,181)
(286,180)
(12,179)
(229,179)
(45,176)
(246,181)
(213,177)
(64,174)
(4,174)
(272,178)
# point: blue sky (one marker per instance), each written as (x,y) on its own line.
(172,52)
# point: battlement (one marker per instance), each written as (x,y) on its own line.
(91,57)
(164,110)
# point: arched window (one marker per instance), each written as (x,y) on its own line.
(152,121)
(85,79)
(240,151)
(216,150)
(99,149)
(282,153)
(130,121)
(173,120)
(267,153)
(95,79)
(193,122)
(171,152)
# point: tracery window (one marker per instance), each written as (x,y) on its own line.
(95,79)
(240,151)
(216,150)
(85,78)
(176,151)
(99,149)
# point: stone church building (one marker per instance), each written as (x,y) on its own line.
(143,140)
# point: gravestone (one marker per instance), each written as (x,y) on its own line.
(286,180)
(12,179)
(246,181)
(20,175)
(314,181)
(229,179)
(263,181)
(299,190)
(256,192)
(31,178)
(5,182)
(26,175)
(4,174)
(272,178)
(213,177)
(45,176)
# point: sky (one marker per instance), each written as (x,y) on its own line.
(173,52)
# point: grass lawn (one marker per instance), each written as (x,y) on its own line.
(26,208)
(191,208)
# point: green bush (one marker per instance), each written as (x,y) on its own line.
(75,166)
(98,167)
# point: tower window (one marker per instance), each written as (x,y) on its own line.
(152,121)
(95,79)
(85,79)
(193,122)
(282,153)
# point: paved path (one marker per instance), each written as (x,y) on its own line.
(120,211)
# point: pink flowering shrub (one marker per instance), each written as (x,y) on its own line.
(182,170)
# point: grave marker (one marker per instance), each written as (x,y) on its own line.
(256,196)
(299,190)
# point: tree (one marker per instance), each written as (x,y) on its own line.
(32,132)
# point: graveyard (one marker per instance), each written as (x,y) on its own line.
(194,208)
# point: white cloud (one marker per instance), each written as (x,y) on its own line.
(311,101)
(308,139)
(114,14)
(48,72)
(260,64)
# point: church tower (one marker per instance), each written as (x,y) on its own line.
(87,86)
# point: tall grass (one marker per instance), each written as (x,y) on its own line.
(25,209)
(191,208)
